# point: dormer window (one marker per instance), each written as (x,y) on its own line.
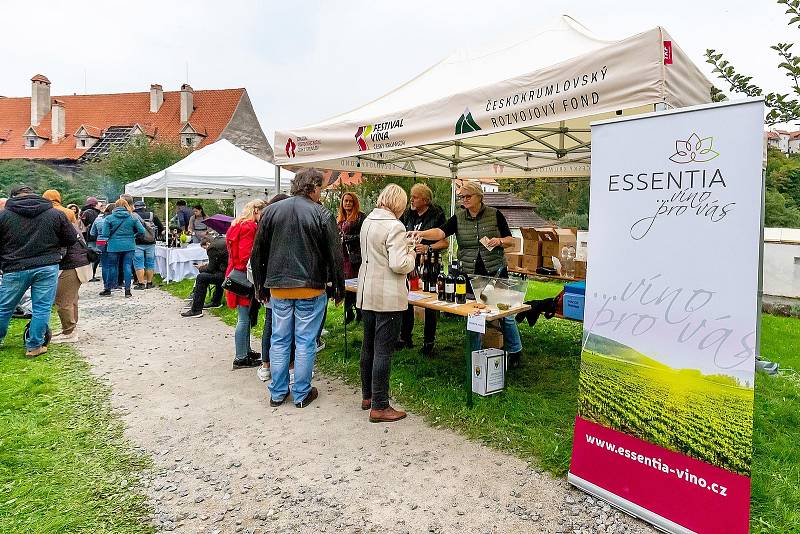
(191,137)
(31,143)
(34,139)
(86,136)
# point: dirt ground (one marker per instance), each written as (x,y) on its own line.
(224,461)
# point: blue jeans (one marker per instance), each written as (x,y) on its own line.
(511,340)
(242,333)
(43,282)
(144,257)
(294,321)
(112,262)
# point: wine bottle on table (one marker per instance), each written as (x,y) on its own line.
(426,275)
(440,281)
(450,285)
(461,286)
(414,278)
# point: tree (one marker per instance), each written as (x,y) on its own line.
(784,107)
(778,212)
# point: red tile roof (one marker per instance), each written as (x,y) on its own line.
(213,111)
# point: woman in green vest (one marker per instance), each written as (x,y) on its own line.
(470,225)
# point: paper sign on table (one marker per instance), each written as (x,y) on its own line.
(476,323)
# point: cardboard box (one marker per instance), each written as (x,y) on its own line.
(549,241)
(582,247)
(517,248)
(580,269)
(556,240)
(514,261)
(493,338)
(547,261)
(531,263)
(531,244)
(488,371)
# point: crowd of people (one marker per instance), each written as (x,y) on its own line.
(288,255)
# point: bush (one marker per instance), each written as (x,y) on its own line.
(574,220)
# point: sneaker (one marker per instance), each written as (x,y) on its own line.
(139,286)
(65,338)
(212,306)
(128,293)
(242,363)
(311,397)
(276,403)
(190,313)
(105,293)
(150,285)
(320,346)
(263,373)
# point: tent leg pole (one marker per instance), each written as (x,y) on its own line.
(277,179)
(453,177)
(166,215)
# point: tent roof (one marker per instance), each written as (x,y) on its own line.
(219,170)
(517,108)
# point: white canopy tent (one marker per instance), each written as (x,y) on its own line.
(519,108)
(220,170)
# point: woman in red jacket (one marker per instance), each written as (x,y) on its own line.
(239,239)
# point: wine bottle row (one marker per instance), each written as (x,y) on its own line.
(430,277)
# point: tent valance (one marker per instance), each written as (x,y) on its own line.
(516,109)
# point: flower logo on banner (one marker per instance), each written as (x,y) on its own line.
(694,149)
(361,135)
(290,148)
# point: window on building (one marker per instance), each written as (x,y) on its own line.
(189,141)
(31,143)
(83,142)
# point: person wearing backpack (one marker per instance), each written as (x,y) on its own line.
(121,227)
(144,259)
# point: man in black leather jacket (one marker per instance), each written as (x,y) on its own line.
(297,251)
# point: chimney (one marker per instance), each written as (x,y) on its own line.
(156,97)
(57,125)
(187,102)
(40,98)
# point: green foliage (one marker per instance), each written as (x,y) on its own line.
(553,200)
(65,465)
(782,195)
(137,159)
(573,220)
(40,177)
(784,107)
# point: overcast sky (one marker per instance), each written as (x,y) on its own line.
(304,61)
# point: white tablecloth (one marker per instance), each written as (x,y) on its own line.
(180,261)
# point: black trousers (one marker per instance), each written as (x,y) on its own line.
(380,335)
(201,284)
(430,325)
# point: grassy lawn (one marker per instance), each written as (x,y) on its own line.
(534,417)
(64,464)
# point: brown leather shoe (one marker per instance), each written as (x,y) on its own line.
(388,415)
(33,353)
(366,404)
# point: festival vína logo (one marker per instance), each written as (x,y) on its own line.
(694,149)
(290,148)
(466,123)
(361,136)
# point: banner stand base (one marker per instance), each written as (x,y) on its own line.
(628,507)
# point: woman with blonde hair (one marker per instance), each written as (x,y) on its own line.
(239,240)
(383,297)
(349,221)
(470,225)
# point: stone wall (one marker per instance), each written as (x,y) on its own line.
(245,131)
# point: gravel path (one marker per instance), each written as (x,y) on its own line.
(224,461)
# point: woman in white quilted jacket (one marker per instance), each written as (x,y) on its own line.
(383,297)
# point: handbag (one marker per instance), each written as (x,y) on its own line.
(238,284)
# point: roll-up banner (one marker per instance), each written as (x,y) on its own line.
(665,408)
